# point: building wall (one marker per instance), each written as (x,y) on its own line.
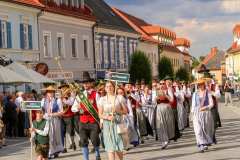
(15,15)
(69,27)
(232,63)
(151,51)
(175,58)
(217,74)
(113,49)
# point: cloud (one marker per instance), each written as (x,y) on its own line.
(230,6)
(207,23)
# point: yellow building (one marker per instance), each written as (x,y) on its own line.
(232,58)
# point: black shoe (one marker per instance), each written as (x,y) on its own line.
(64,151)
(142,141)
(93,150)
(74,147)
(98,158)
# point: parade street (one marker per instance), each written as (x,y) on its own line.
(228,146)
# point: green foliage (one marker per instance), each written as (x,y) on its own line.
(165,68)
(195,62)
(182,74)
(140,67)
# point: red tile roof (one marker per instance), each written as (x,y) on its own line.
(136,24)
(211,55)
(182,42)
(32,3)
(153,29)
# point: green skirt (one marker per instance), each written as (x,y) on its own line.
(112,140)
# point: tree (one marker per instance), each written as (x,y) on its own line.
(182,74)
(140,67)
(165,68)
(195,62)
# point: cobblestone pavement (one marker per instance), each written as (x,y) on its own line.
(228,147)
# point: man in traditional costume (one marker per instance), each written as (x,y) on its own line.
(89,120)
(53,109)
(68,115)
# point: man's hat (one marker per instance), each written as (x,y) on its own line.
(87,77)
(49,88)
(167,78)
(199,81)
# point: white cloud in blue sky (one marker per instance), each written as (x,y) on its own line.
(207,23)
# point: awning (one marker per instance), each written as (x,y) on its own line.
(9,76)
(33,76)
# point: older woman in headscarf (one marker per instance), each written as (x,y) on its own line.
(203,123)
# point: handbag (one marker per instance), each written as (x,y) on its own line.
(122,128)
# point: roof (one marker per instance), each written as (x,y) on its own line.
(106,16)
(82,13)
(31,3)
(154,29)
(182,42)
(213,59)
(136,24)
(171,48)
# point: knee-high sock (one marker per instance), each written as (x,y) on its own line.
(85,153)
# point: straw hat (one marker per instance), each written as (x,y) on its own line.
(199,81)
(49,88)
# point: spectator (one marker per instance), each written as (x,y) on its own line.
(11,117)
(228,93)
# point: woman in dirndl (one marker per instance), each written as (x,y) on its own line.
(203,122)
(164,120)
(182,113)
(53,111)
(111,110)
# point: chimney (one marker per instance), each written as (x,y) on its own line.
(214,50)
(82,4)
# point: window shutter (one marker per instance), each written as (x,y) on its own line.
(21,36)
(9,35)
(30,36)
(0,34)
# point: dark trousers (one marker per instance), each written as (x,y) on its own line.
(89,131)
(12,130)
(177,132)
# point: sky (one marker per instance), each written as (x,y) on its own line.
(206,23)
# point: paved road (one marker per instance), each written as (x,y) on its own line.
(228,147)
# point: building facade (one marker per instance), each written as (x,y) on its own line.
(232,57)
(66,39)
(115,40)
(19,30)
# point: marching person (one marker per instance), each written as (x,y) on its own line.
(89,126)
(40,135)
(173,102)
(53,109)
(111,111)
(203,122)
(164,118)
(68,116)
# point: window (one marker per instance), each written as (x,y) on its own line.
(60,45)
(98,52)
(86,46)
(47,44)
(74,45)
(105,48)
(25,36)
(121,52)
(112,48)
(4,34)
